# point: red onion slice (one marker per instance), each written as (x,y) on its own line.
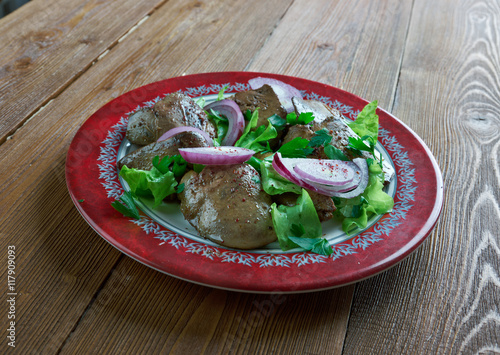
(322,171)
(286,168)
(174,131)
(222,155)
(281,169)
(351,193)
(232,111)
(284,91)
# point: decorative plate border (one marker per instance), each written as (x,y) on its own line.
(407,186)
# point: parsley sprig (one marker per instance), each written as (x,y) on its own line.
(126,205)
(367,144)
(174,163)
(316,245)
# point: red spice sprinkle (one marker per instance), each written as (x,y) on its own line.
(243,199)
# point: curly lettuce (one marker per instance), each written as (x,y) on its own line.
(299,221)
(356,212)
(366,123)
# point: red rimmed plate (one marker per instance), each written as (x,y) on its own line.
(163,241)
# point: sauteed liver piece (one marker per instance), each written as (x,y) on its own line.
(265,99)
(146,125)
(142,158)
(226,204)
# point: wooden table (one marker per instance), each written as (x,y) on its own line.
(435,64)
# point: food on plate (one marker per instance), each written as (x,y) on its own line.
(142,158)
(263,98)
(227,205)
(259,165)
(146,125)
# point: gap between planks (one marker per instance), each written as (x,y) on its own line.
(78,75)
(400,64)
(249,64)
(91,303)
(390,109)
(44,105)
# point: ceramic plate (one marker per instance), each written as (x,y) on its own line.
(163,240)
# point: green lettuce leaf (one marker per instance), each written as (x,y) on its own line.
(149,183)
(221,124)
(296,148)
(273,183)
(366,123)
(254,137)
(356,212)
(304,118)
(287,218)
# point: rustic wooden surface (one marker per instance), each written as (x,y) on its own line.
(435,64)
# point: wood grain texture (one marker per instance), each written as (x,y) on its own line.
(435,64)
(43,51)
(172,316)
(444,299)
(34,200)
(238,328)
(353,45)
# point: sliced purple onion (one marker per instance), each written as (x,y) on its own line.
(281,169)
(328,172)
(286,168)
(223,155)
(284,91)
(360,188)
(231,110)
(174,131)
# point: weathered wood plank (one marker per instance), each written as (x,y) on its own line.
(356,46)
(194,319)
(444,299)
(239,327)
(34,200)
(175,39)
(43,51)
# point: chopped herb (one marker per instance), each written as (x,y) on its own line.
(304,118)
(296,148)
(254,162)
(256,179)
(127,205)
(321,137)
(174,163)
(220,95)
(278,122)
(256,138)
(316,245)
(361,143)
(81,200)
(164,164)
(335,153)
(179,167)
(179,188)
(198,168)
(365,143)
